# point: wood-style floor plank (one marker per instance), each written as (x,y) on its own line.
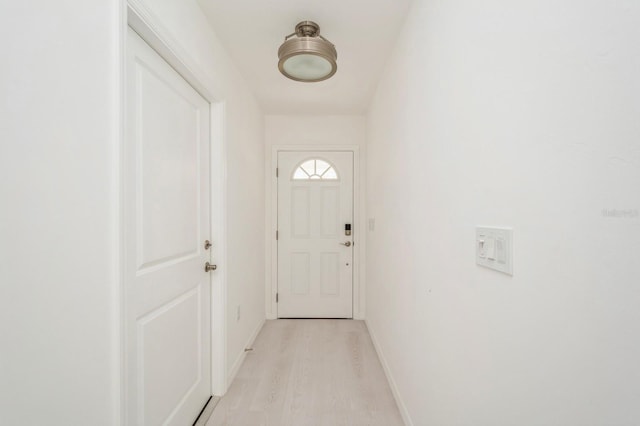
(309,373)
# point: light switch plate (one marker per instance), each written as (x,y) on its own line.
(494,248)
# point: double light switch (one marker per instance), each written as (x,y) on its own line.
(494,248)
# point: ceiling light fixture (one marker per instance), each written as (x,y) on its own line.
(307,56)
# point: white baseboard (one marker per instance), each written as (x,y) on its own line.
(242,355)
(392,383)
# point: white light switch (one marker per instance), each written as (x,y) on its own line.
(501,250)
(494,248)
(491,248)
(481,247)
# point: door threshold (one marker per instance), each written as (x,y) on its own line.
(206,412)
(316,318)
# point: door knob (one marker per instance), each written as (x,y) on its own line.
(209,267)
(348,244)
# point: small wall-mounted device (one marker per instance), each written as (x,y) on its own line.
(494,248)
(347,229)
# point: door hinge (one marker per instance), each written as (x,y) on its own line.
(276,297)
(277,171)
(276,235)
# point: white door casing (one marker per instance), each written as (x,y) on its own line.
(166,221)
(315,257)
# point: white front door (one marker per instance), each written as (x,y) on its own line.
(315,256)
(167,220)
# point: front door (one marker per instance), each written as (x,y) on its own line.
(315,244)
(167,220)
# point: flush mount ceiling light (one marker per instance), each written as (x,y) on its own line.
(307,56)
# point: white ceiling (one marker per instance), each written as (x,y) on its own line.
(364,32)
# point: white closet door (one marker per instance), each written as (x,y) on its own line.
(167,220)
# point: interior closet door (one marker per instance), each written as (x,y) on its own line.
(167,220)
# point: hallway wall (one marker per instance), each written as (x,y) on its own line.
(524,115)
(59,221)
(59,132)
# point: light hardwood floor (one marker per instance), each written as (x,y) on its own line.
(309,372)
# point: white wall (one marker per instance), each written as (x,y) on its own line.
(244,135)
(313,130)
(521,114)
(59,121)
(60,111)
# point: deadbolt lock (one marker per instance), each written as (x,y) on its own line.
(209,267)
(207,244)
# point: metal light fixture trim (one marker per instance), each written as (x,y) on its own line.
(307,41)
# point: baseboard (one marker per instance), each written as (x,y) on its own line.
(242,355)
(392,383)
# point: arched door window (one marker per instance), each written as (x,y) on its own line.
(315,169)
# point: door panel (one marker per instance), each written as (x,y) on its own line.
(329,274)
(300,273)
(168,147)
(182,368)
(329,219)
(167,219)
(300,212)
(315,201)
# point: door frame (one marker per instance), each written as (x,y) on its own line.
(150,28)
(358,218)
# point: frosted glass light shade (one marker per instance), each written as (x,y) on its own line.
(307,67)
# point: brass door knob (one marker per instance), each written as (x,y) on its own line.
(209,267)
(348,244)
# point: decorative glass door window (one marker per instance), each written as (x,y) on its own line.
(315,169)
